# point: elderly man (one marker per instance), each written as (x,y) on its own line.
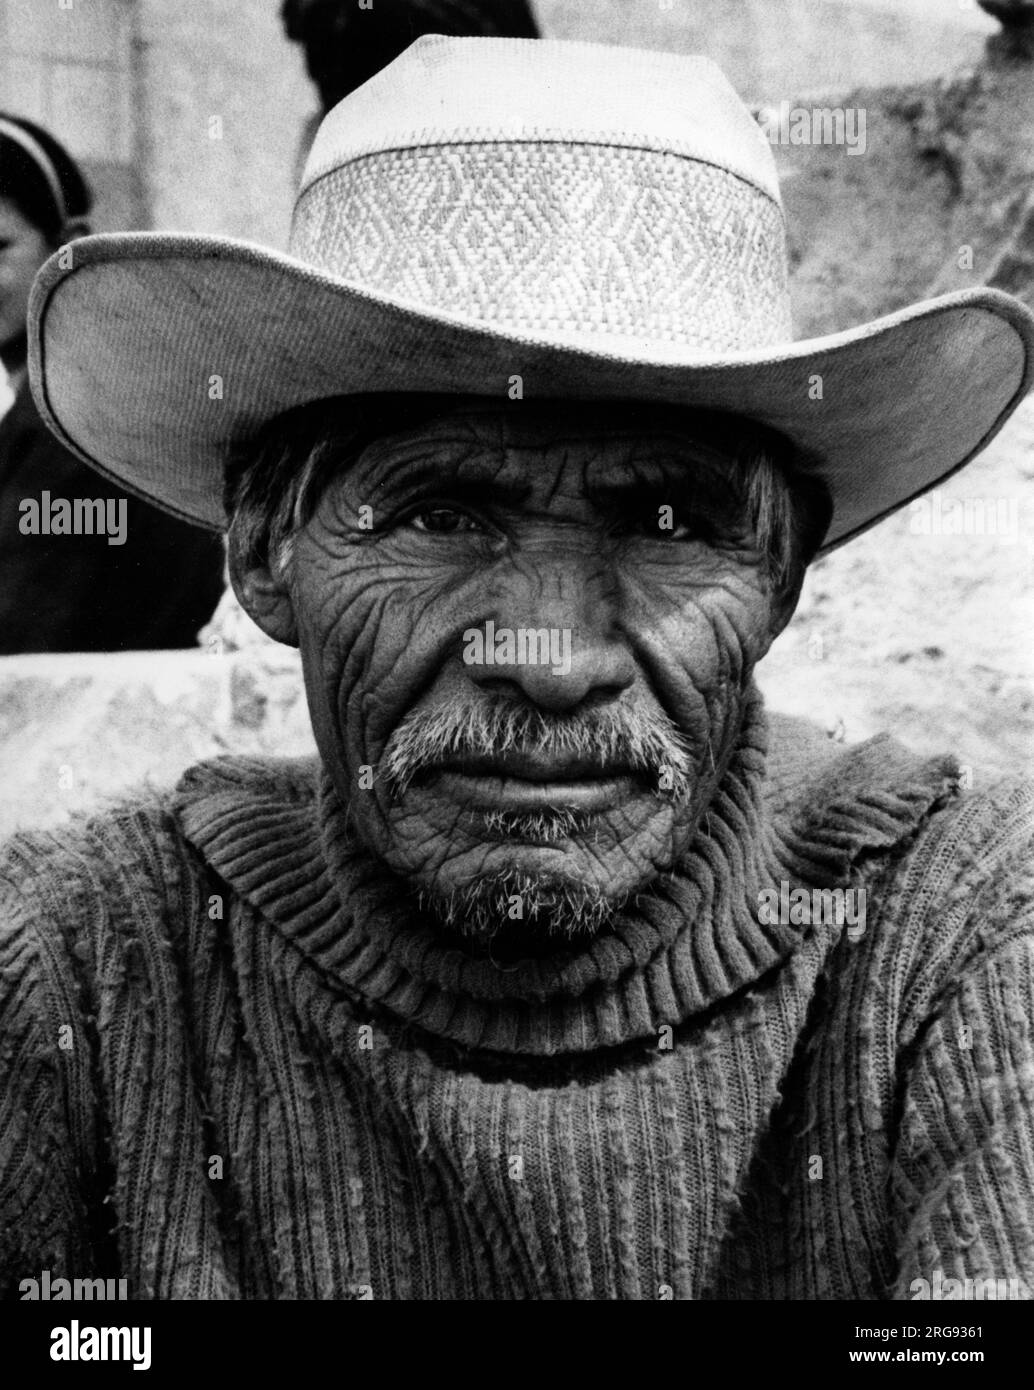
(565,973)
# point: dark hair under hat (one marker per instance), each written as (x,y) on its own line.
(39,176)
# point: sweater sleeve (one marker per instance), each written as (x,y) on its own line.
(962,1187)
(47,1219)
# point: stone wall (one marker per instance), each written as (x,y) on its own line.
(72,68)
(226,99)
(186,116)
(77,730)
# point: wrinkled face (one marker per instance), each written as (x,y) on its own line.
(526,636)
(23,249)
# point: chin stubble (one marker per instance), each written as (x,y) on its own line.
(512,905)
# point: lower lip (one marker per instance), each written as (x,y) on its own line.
(518,794)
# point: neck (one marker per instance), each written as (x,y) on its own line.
(690,939)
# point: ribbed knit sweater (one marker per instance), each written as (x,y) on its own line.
(238,1063)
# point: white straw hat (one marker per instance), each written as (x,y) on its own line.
(603,223)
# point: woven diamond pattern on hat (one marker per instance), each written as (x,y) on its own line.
(571,242)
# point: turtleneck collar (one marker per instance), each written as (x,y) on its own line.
(280,836)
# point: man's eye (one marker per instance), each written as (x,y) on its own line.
(682,531)
(442,521)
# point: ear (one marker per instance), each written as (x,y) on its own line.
(784,605)
(266,598)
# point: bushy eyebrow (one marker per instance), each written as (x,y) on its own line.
(675,470)
(429,477)
(675,474)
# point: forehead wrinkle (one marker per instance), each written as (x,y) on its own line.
(584,450)
(665,463)
(399,462)
(492,448)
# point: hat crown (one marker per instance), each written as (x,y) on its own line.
(447,91)
(619,199)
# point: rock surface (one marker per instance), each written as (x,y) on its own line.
(79,730)
(927,636)
(938,201)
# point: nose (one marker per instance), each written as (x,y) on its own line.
(555,644)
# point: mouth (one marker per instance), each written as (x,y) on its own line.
(534,782)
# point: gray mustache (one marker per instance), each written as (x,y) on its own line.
(646,742)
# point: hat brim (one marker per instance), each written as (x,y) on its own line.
(152,355)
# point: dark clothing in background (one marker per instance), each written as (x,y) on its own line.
(78,593)
(345,45)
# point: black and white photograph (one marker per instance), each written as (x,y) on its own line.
(516,706)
